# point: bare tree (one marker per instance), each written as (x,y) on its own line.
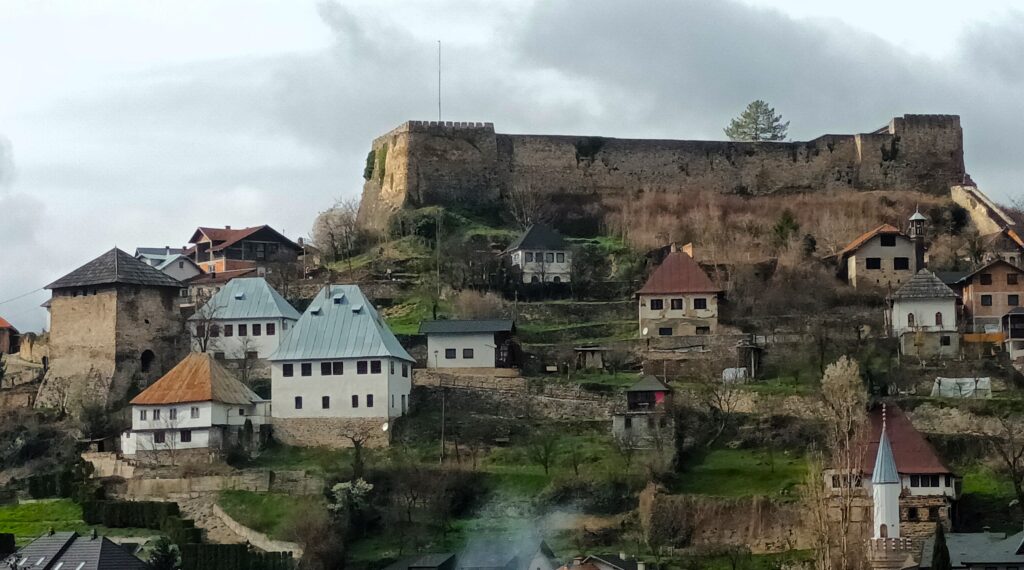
(543,448)
(203,326)
(284,273)
(527,206)
(1005,436)
(358,436)
(336,231)
(720,397)
(626,445)
(246,363)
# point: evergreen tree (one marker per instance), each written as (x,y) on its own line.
(940,552)
(164,555)
(785,227)
(758,122)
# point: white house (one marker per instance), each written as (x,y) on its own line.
(340,368)
(469,343)
(246,318)
(197,405)
(171,262)
(923,317)
(541,255)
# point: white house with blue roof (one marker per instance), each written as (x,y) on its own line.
(247,317)
(173,262)
(339,368)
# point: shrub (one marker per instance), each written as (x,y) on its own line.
(129,514)
(608,496)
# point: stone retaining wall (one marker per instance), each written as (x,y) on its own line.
(255,538)
(330,432)
(257,481)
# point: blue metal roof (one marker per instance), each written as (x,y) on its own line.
(339,323)
(885,464)
(247,298)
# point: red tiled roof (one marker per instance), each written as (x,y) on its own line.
(864,237)
(222,276)
(911,450)
(197,378)
(679,273)
(223,237)
(6,325)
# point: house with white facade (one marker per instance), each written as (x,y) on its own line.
(923,317)
(883,257)
(247,318)
(678,299)
(173,262)
(198,405)
(541,255)
(469,343)
(340,373)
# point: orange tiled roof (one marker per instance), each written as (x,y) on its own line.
(679,273)
(911,450)
(864,237)
(197,378)
(6,325)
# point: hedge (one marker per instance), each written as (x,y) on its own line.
(232,557)
(181,531)
(57,484)
(7,546)
(129,514)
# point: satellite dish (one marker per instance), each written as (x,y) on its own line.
(384,427)
(645,331)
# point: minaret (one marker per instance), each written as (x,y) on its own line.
(885,489)
(916,232)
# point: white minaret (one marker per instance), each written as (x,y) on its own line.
(885,489)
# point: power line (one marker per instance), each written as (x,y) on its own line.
(21,296)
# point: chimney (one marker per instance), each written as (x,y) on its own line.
(227,227)
(622,555)
(641,565)
(167,250)
(688,250)
(673,247)
(95,534)
(301,244)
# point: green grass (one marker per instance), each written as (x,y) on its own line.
(985,500)
(406,317)
(273,514)
(743,472)
(30,520)
(785,386)
(316,460)
(548,333)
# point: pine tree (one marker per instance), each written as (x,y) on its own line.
(758,122)
(940,552)
(164,555)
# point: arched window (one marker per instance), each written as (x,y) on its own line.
(910,319)
(146,361)
(938,319)
(535,279)
(556,279)
(883,531)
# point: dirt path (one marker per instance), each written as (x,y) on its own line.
(200,510)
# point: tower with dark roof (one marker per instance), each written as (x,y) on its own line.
(115,323)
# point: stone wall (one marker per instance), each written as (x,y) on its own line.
(986,215)
(34,348)
(258,481)
(255,538)
(429,163)
(330,432)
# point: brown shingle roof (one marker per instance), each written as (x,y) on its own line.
(116,266)
(679,273)
(911,450)
(924,285)
(197,378)
(223,238)
(864,237)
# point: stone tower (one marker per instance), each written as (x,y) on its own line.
(115,324)
(915,230)
(887,550)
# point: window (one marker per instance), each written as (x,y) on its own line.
(391,367)
(986,300)
(369,400)
(676,304)
(1013,300)
(284,325)
(172,414)
(241,411)
(156,415)
(375,367)
(835,481)
(325,402)
(888,240)
(560,257)
(195,412)
(201,331)
(405,370)
(549,257)
(986,278)
(534,279)
(1011,278)
(910,319)
(325,368)
(628,423)
(271,329)
(355,401)
(556,279)
(700,303)
(229,330)
(214,331)
(703,330)
(450,353)
(901,263)
(257,329)
(252,355)
(938,319)
(657,304)
(185,436)
(873,263)
(337,368)
(306,368)
(933,513)
(949,480)
(934,480)
(915,480)
(298,402)
(219,355)
(665,331)
(529,256)
(467,353)
(243,330)
(912,514)
(158,437)
(361,367)
(181,265)
(142,415)
(287,370)
(944,340)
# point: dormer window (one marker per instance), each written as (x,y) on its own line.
(240,296)
(357,309)
(339,298)
(316,311)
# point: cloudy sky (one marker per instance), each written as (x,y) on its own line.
(130,123)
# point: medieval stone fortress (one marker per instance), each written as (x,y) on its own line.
(548,351)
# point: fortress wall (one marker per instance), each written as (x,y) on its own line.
(469,165)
